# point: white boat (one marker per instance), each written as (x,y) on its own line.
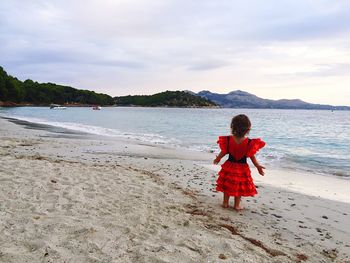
(57,107)
(96,108)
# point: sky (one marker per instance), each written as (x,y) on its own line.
(273,48)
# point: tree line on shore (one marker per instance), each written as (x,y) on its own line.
(166,98)
(31,92)
(14,92)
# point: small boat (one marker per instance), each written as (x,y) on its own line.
(96,108)
(57,107)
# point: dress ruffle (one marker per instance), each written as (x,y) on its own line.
(254,146)
(235,180)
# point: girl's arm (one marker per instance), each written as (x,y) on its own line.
(257,165)
(218,157)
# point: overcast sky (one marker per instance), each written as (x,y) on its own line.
(272,48)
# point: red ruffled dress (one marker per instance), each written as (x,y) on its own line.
(235,177)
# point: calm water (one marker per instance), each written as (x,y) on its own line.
(316,141)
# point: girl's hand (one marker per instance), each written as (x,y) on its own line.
(261,170)
(218,157)
(217,160)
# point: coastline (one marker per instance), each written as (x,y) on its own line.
(83,198)
(23,104)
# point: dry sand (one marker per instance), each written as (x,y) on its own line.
(69,197)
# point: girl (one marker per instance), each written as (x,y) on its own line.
(234,177)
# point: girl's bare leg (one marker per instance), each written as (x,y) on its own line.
(237,203)
(225,203)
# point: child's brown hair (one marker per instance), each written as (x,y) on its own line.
(240,125)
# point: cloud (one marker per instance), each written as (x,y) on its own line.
(327,70)
(128,46)
(208,65)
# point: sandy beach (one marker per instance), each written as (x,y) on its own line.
(73,197)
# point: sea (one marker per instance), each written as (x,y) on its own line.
(316,141)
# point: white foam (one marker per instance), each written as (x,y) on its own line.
(147,137)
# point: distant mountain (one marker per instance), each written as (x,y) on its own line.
(242,99)
(165,99)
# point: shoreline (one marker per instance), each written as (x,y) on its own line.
(14,104)
(328,186)
(86,198)
(10,104)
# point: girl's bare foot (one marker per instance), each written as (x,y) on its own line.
(225,206)
(237,206)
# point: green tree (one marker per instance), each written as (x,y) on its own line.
(12,89)
(167,98)
(3,89)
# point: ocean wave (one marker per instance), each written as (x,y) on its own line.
(293,156)
(321,165)
(96,130)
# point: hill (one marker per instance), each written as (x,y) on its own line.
(165,99)
(242,99)
(16,92)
